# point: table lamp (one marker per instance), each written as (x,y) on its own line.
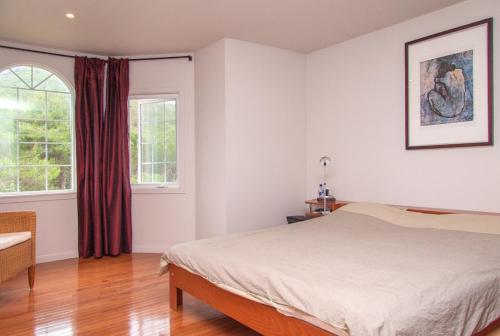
(325,161)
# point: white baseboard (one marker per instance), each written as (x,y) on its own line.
(74,254)
(149,249)
(56,256)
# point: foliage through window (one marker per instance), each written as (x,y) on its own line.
(153,140)
(36,142)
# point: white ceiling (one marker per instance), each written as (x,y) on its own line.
(132,27)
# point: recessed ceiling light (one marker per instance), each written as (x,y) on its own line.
(70,15)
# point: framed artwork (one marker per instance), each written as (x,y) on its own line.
(449,88)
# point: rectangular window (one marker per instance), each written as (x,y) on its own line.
(153,140)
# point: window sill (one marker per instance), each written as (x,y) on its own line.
(26,198)
(154,189)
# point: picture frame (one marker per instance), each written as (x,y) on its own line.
(449,89)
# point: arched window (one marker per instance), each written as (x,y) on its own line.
(36,131)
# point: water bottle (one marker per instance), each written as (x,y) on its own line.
(320,190)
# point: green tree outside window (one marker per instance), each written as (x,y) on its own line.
(153,140)
(36,126)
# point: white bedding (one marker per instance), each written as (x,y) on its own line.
(355,274)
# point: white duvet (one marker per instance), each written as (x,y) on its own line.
(358,274)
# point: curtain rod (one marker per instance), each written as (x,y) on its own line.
(189,57)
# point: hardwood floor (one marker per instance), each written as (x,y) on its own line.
(109,296)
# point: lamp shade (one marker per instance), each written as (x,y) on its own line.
(325,160)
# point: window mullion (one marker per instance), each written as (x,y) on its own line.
(43,81)
(139,144)
(71,126)
(165,152)
(18,172)
(46,145)
(22,80)
(152,153)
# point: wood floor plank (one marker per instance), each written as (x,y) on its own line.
(112,296)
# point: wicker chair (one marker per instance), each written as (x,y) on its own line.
(21,256)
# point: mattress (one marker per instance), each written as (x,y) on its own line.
(359,274)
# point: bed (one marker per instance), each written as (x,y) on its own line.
(365,269)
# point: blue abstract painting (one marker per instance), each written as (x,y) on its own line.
(446,89)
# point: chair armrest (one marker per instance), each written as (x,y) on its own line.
(18,222)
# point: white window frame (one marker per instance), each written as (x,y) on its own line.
(48,195)
(169,187)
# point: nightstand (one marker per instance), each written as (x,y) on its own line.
(315,204)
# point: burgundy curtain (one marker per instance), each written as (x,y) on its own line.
(104,193)
(115,168)
(89,85)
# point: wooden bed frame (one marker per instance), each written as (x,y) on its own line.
(257,316)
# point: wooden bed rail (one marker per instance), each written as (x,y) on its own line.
(257,316)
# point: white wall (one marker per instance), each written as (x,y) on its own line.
(355,113)
(250,117)
(210,141)
(265,130)
(160,217)
(57,225)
